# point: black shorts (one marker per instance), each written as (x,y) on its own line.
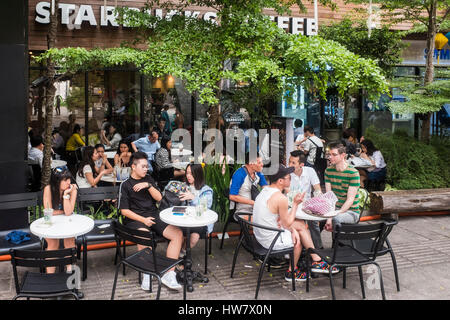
(158,227)
(200,230)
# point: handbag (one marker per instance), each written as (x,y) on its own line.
(254,190)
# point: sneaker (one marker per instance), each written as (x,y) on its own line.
(170,281)
(275,263)
(299,276)
(145,285)
(323,267)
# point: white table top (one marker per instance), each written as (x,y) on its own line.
(359,162)
(176,152)
(58,163)
(110,178)
(181,165)
(62,226)
(188,220)
(110,154)
(300,214)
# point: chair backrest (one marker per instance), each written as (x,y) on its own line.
(363,198)
(96,194)
(40,259)
(249,239)
(21,201)
(144,238)
(354,232)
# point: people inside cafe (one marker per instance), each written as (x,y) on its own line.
(271,210)
(310,145)
(75,141)
(137,203)
(87,176)
(112,139)
(198,189)
(350,140)
(36,153)
(61,196)
(377,171)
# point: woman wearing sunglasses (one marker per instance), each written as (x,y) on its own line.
(60,195)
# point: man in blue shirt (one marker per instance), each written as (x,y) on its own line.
(242,181)
(148,144)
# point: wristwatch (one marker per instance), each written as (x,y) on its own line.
(149,185)
(66,196)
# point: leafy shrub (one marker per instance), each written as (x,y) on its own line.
(412,164)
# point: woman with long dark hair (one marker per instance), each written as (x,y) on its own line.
(378,169)
(87,176)
(195,178)
(163,159)
(123,155)
(61,196)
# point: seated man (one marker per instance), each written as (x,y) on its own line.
(242,181)
(343,179)
(149,145)
(302,179)
(271,210)
(138,204)
(36,153)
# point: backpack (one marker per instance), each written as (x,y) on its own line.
(320,162)
(171,195)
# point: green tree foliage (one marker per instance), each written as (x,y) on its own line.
(413,164)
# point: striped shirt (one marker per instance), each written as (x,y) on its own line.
(340,182)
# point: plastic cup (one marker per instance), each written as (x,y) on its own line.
(48,213)
(198,211)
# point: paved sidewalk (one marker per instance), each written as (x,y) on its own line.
(421,246)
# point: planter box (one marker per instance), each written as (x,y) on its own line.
(332,134)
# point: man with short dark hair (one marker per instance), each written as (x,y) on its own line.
(149,145)
(343,179)
(138,198)
(310,145)
(36,153)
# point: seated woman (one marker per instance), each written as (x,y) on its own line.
(196,180)
(102,163)
(61,196)
(350,140)
(113,138)
(163,161)
(378,169)
(123,155)
(87,176)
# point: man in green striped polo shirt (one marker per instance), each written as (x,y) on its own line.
(343,179)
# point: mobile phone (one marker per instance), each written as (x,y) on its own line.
(179,209)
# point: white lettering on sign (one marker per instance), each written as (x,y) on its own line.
(73,15)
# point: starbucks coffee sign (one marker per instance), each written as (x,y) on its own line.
(73,16)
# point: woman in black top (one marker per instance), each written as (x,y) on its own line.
(163,160)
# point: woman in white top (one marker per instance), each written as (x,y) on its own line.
(87,176)
(113,138)
(378,169)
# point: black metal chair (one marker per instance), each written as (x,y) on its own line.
(249,242)
(365,246)
(103,230)
(347,256)
(19,201)
(231,219)
(145,261)
(44,285)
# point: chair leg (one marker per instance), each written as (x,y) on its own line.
(291,257)
(223,233)
(383,295)
(394,262)
(361,281)
(124,255)
(84,259)
(261,271)
(159,287)
(308,269)
(184,283)
(210,244)
(235,257)
(206,253)
(344,278)
(115,281)
(331,283)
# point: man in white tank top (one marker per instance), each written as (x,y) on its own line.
(271,209)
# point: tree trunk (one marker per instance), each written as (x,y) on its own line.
(420,200)
(49,100)
(346,120)
(429,69)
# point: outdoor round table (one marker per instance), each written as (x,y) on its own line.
(180,165)
(62,226)
(110,154)
(300,214)
(111,178)
(188,220)
(58,163)
(176,152)
(358,162)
